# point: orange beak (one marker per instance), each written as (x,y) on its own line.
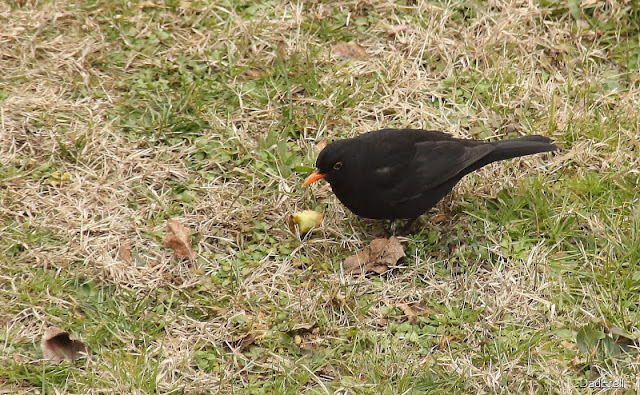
(313,177)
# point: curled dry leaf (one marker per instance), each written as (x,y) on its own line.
(378,257)
(437,219)
(57,346)
(305,221)
(413,310)
(148,4)
(178,240)
(349,50)
(567,345)
(124,252)
(257,73)
(320,146)
(408,311)
(445,340)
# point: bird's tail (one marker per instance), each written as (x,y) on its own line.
(521,146)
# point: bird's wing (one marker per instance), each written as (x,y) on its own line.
(432,164)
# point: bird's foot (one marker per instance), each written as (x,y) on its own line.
(395,228)
(406,229)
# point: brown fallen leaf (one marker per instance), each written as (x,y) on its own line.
(414,310)
(436,219)
(57,346)
(577,363)
(349,50)
(378,257)
(124,252)
(242,343)
(257,73)
(178,240)
(320,146)
(148,4)
(408,311)
(444,341)
(567,345)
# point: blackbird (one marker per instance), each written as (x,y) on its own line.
(402,173)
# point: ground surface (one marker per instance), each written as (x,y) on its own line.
(116,116)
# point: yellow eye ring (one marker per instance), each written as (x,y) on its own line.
(337,166)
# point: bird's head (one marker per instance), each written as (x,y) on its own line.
(334,160)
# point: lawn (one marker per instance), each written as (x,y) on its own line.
(118,115)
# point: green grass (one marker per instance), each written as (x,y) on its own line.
(209,112)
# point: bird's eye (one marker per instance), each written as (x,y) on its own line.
(337,166)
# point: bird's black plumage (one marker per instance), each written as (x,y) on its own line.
(402,173)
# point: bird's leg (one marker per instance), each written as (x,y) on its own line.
(393,227)
(407,226)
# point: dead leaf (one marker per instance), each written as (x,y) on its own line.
(148,4)
(395,29)
(185,5)
(408,311)
(178,240)
(58,346)
(567,345)
(378,257)
(253,73)
(576,363)
(124,252)
(414,310)
(512,127)
(257,73)
(242,343)
(444,341)
(320,146)
(436,219)
(349,50)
